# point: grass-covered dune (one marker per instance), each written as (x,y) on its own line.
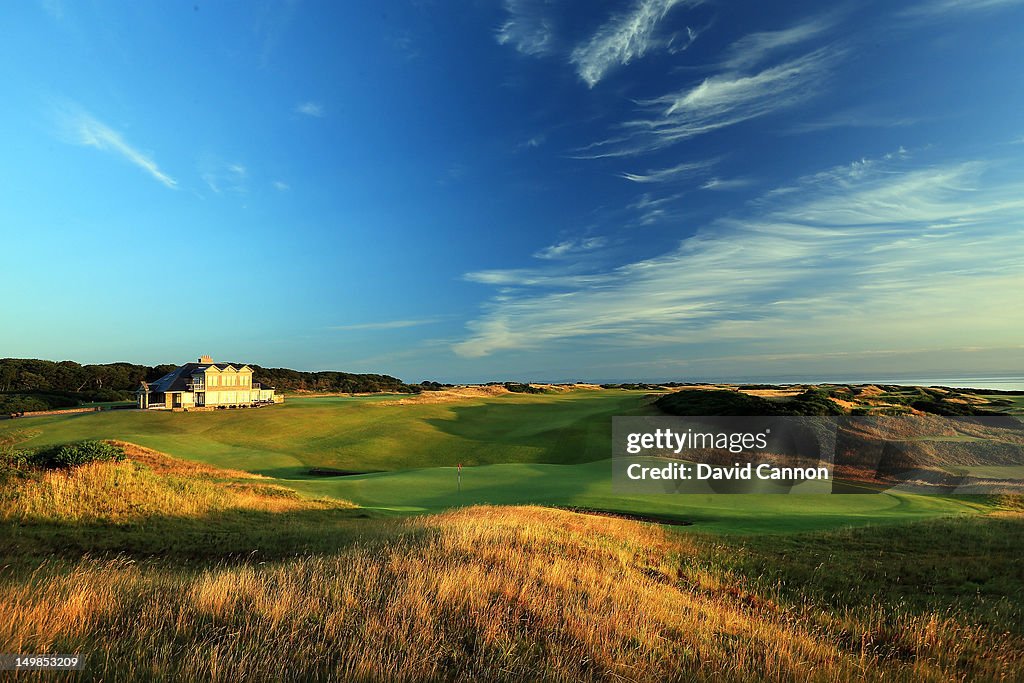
(150,503)
(496,593)
(548,449)
(155,567)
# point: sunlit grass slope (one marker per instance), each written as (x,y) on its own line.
(548,449)
(151,503)
(358,434)
(589,485)
(520,594)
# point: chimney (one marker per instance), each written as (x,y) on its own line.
(205,359)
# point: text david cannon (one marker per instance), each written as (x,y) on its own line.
(703,472)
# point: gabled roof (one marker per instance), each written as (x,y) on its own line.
(179,379)
(219,366)
(175,380)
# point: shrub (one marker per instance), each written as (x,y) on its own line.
(18,403)
(519,388)
(75,454)
(728,402)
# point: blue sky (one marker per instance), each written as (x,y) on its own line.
(526,189)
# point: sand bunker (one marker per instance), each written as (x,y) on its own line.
(452,395)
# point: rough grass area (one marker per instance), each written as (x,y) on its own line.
(517,594)
(151,503)
(156,568)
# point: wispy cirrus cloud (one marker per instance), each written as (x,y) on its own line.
(623,38)
(855,118)
(221,176)
(385,325)
(570,248)
(687,169)
(79,127)
(529,27)
(943,7)
(754,48)
(311,109)
(727,183)
(717,102)
(820,266)
(281,186)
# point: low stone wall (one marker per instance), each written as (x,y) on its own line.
(62,411)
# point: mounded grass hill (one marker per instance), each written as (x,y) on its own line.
(152,503)
(154,566)
(548,449)
(526,594)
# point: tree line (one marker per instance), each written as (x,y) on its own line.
(32,384)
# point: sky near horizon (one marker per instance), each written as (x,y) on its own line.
(527,189)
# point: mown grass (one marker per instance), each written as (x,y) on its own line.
(589,485)
(546,449)
(358,433)
(484,593)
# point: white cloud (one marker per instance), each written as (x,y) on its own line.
(221,176)
(680,41)
(313,109)
(683,170)
(385,325)
(529,277)
(622,39)
(755,47)
(528,28)
(855,118)
(717,102)
(940,7)
(570,247)
(727,184)
(736,96)
(869,254)
(534,142)
(281,186)
(80,128)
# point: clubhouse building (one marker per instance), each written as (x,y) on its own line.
(205,385)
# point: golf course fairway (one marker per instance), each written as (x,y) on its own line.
(546,449)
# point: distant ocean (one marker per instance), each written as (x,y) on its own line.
(1000,383)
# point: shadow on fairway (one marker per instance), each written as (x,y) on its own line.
(565,430)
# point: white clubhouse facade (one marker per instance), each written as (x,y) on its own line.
(205,385)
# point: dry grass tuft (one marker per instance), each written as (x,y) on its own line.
(452,395)
(148,484)
(486,593)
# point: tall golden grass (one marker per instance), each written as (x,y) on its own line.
(486,593)
(147,484)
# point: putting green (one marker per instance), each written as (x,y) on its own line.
(589,486)
(548,449)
